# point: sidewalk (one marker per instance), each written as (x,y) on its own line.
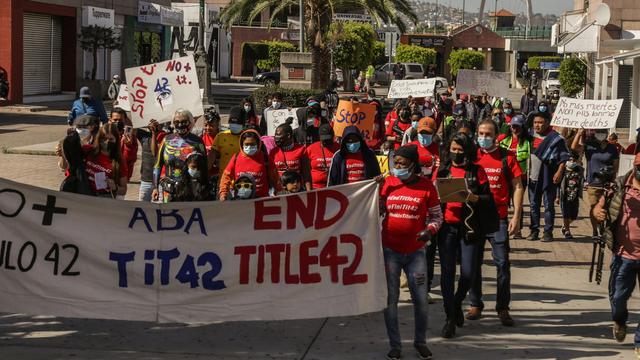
(558,314)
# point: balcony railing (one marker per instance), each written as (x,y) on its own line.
(258,23)
(535,32)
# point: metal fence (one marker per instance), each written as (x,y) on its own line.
(535,32)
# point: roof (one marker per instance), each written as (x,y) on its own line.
(502,13)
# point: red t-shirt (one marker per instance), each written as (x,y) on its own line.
(252,165)
(402,126)
(407,207)
(101,163)
(453,210)
(320,160)
(355,167)
(630,150)
(537,140)
(288,160)
(208,143)
(429,161)
(498,182)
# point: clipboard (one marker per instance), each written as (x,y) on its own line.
(452,190)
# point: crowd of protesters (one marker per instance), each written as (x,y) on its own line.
(502,153)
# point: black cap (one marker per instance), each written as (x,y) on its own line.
(410,152)
(85,120)
(237,113)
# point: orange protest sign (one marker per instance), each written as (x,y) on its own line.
(360,115)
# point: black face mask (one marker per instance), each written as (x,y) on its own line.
(636,173)
(182,129)
(405,117)
(282,140)
(458,158)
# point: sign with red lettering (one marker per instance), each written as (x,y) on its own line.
(309,255)
(157,90)
(351,113)
(122,101)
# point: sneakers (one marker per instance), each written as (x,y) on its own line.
(423,351)
(518,235)
(505,318)
(474,313)
(459,317)
(547,237)
(567,233)
(535,235)
(394,354)
(620,332)
(449,329)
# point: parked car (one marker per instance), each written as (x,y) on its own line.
(550,83)
(267,78)
(384,74)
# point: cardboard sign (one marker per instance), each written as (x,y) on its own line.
(158,90)
(310,255)
(588,114)
(476,82)
(123,101)
(401,89)
(358,114)
(278,117)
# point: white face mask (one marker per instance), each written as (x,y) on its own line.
(275,104)
(601,136)
(83,133)
(247,108)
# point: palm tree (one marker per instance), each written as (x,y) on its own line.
(318,17)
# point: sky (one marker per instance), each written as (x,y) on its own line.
(539,6)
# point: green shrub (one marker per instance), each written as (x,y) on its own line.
(465,59)
(415,54)
(274,48)
(379,58)
(534,62)
(290,97)
(573,74)
(354,45)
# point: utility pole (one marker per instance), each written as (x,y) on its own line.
(463,7)
(435,22)
(301,14)
(203,67)
(495,16)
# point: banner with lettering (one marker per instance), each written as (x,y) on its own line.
(588,114)
(401,89)
(351,113)
(157,90)
(309,255)
(122,101)
(278,117)
(477,82)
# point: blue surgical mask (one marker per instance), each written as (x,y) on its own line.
(414,124)
(353,147)
(485,142)
(235,128)
(402,174)
(542,108)
(194,173)
(83,133)
(250,149)
(244,193)
(508,111)
(425,139)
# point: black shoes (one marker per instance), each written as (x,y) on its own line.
(535,235)
(547,237)
(567,233)
(394,354)
(423,351)
(449,329)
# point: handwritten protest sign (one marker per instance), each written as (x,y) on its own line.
(308,255)
(358,114)
(401,89)
(588,114)
(278,117)
(158,90)
(476,82)
(123,99)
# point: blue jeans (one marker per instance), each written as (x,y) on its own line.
(146,188)
(431,262)
(499,241)
(536,196)
(415,267)
(621,285)
(450,241)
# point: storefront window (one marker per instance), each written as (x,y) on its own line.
(148,46)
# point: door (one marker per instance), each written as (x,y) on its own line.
(42,54)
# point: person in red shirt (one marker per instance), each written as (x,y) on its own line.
(393,114)
(253,161)
(320,154)
(395,129)
(464,222)
(613,139)
(428,151)
(354,161)
(128,141)
(251,119)
(289,156)
(412,217)
(504,173)
(105,168)
(210,130)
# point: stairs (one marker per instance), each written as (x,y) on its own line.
(228,100)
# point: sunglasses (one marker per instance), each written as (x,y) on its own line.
(244,185)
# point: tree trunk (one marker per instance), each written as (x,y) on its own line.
(320,67)
(347,80)
(94,54)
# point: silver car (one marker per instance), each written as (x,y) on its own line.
(384,74)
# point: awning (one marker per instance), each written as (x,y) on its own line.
(582,41)
(619,57)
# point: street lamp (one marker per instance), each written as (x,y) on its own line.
(202,66)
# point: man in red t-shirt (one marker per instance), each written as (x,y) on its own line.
(320,154)
(428,151)
(289,156)
(396,128)
(503,172)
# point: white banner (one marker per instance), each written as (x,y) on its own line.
(588,114)
(158,90)
(312,255)
(277,117)
(475,82)
(401,89)
(123,101)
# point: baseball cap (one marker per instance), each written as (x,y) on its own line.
(427,124)
(85,92)
(517,120)
(85,120)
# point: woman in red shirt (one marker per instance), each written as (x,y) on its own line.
(105,168)
(320,154)
(412,217)
(289,156)
(251,160)
(395,129)
(462,228)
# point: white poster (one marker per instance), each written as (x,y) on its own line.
(277,117)
(123,99)
(588,114)
(158,90)
(401,89)
(310,255)
(476,82)
(626,164)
